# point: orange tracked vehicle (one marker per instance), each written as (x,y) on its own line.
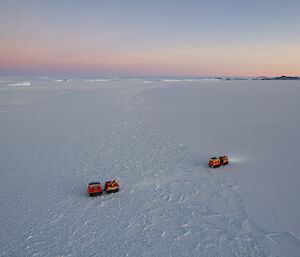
(223,160)
(214,162)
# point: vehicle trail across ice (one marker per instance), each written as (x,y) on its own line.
(168,205)
(171,206)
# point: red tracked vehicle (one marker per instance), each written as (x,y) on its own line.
(94,188)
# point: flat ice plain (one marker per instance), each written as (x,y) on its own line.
(155,137)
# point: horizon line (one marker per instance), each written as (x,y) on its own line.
(136,76)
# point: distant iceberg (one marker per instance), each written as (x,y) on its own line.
(20,84)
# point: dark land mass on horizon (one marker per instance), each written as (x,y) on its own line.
(278,78)
(260,78)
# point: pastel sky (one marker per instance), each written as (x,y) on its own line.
(138,37)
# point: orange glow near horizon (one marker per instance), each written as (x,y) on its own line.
(202,38)
(184,61)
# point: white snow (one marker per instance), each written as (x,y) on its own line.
(156,140)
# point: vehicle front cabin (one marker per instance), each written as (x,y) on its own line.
(214,162)
(94,188)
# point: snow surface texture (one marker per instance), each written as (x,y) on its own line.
(155,139)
